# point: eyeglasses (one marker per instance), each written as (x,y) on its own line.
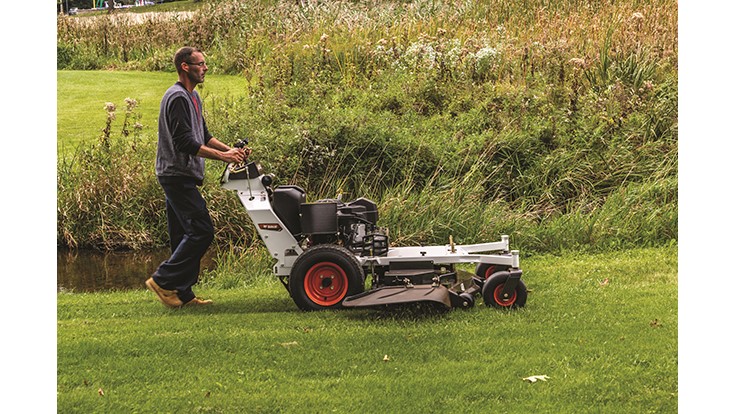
(200,64)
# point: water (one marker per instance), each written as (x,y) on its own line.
(91,271)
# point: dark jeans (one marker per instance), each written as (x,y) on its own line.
(190,232)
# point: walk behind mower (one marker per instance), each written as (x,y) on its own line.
(325,249)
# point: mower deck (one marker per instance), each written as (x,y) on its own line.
(399,295)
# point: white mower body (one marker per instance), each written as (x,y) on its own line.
(396,270)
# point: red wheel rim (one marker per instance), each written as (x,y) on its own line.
(500,300)
(491,270)
(326,284)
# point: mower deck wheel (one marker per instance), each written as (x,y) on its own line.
(468,300)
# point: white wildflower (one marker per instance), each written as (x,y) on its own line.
(454,52)
(485,59)
(420,54)
(486,53)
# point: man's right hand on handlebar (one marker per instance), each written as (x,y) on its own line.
(235,155)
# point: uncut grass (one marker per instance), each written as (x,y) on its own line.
(615,188)
(576,110)
(240,36)
(606,346)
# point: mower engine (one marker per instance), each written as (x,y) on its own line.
(352,225)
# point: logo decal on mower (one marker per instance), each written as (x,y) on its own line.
(270,226)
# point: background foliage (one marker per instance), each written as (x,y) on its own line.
(554,122)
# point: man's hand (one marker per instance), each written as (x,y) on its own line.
(216,150)
(234,155)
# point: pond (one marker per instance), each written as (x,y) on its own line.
(92,271)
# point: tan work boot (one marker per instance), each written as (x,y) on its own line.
(167,297)
(198,302)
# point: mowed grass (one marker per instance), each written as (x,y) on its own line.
(602,327)
(81,97)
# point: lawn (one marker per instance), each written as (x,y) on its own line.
(602,327)
(82,95)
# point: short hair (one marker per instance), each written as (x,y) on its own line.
(182,55)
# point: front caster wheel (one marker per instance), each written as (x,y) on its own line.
(323,276)
(493,292)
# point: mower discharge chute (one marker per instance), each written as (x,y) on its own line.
(325,249)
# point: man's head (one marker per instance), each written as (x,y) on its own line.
(189,62)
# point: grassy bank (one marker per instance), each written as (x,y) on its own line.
(554,122)
(532,37)
(436,175)
(610,347)
(472,122)
(602,327)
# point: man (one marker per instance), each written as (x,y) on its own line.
(183,143)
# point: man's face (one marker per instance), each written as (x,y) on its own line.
(195,67)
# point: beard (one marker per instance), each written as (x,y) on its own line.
(195,77)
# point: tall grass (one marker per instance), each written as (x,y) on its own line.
(555,122)
(591,194)
(257,37)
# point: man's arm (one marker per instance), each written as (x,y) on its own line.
(217,144)
(182,136)
(216,150)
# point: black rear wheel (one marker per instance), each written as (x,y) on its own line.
(323,276)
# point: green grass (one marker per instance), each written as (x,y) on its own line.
(607,347)
(81,97)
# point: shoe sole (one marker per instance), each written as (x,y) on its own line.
(192,303)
